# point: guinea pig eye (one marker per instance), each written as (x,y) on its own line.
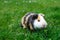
(38,20)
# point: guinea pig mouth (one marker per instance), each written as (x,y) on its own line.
(43,26)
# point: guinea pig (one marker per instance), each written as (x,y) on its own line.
(33,21)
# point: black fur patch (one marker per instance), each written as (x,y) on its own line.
(34,16)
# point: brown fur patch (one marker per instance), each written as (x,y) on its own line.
(23,22)
(38,18)
(31,28)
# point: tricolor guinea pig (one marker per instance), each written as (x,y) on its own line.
(33,21)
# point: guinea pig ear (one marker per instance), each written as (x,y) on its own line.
(35,16)
(42,14)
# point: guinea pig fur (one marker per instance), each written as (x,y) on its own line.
(33,21)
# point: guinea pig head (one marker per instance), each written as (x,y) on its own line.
(40,22)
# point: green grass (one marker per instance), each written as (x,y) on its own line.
(11,12)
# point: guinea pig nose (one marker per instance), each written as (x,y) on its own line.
(43,25)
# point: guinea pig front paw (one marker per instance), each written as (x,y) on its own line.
(24,27)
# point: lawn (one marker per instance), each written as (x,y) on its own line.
(11,12)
